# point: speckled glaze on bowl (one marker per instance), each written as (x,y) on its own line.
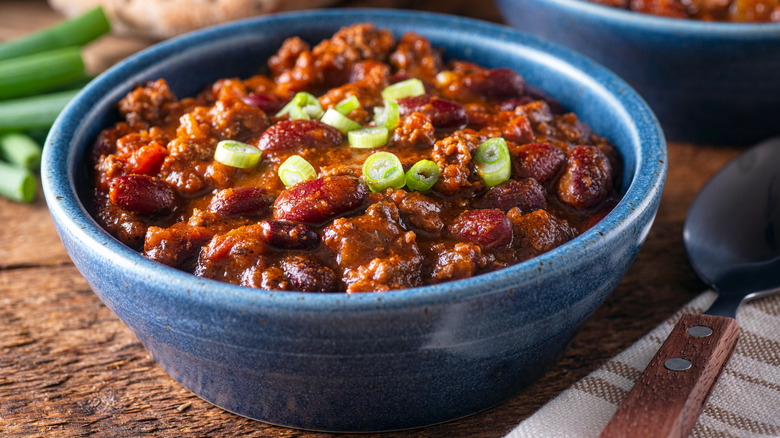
(364,362)
(707,82)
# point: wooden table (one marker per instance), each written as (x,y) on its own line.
(70,368)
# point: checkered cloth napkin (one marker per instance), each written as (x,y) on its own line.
(745,403)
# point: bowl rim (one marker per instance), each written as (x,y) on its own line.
(64,202)
(719,29)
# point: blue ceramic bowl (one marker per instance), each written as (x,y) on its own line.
(707,82)
(374,361)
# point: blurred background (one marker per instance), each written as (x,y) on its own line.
(142,23)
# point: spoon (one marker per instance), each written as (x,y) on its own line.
(732,237)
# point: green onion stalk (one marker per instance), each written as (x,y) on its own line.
(16,183)
(35,112)
(40,72)
(20,150)
(73,32)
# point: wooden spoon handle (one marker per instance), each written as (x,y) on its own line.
(668,397)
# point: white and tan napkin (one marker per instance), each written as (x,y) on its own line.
(745,403)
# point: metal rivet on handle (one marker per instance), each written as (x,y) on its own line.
(677,364)
(700,331)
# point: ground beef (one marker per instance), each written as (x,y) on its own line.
(373,251)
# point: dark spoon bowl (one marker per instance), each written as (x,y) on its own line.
(373,361)
(732,231)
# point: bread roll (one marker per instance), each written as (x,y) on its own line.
(161,19)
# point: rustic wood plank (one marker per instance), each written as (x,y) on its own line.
(26,237)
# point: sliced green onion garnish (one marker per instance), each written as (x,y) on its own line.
(387,116)
(236,154)
(492,161)
(422,176)
(339,121)
(382,170)
(348,105)
(21,150)
(408,88)
(16,183)
(308,104)
(294,170)
(294,111)
(367,138)
(303,106)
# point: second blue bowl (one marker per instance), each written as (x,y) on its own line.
(707,82)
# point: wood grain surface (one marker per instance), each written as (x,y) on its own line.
(70,368)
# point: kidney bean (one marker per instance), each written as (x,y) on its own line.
(240,201)
(289,235)
(511,104)
(538,111)
(321,199)
(443,113)
(269,103)
(540,161)
(291,134)
(496,84)
(587,178)
(526,194)
(489,228)
(142,194)
(307,275)
(615,160)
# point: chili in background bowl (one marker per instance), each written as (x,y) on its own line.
(708,82)
(370,361)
